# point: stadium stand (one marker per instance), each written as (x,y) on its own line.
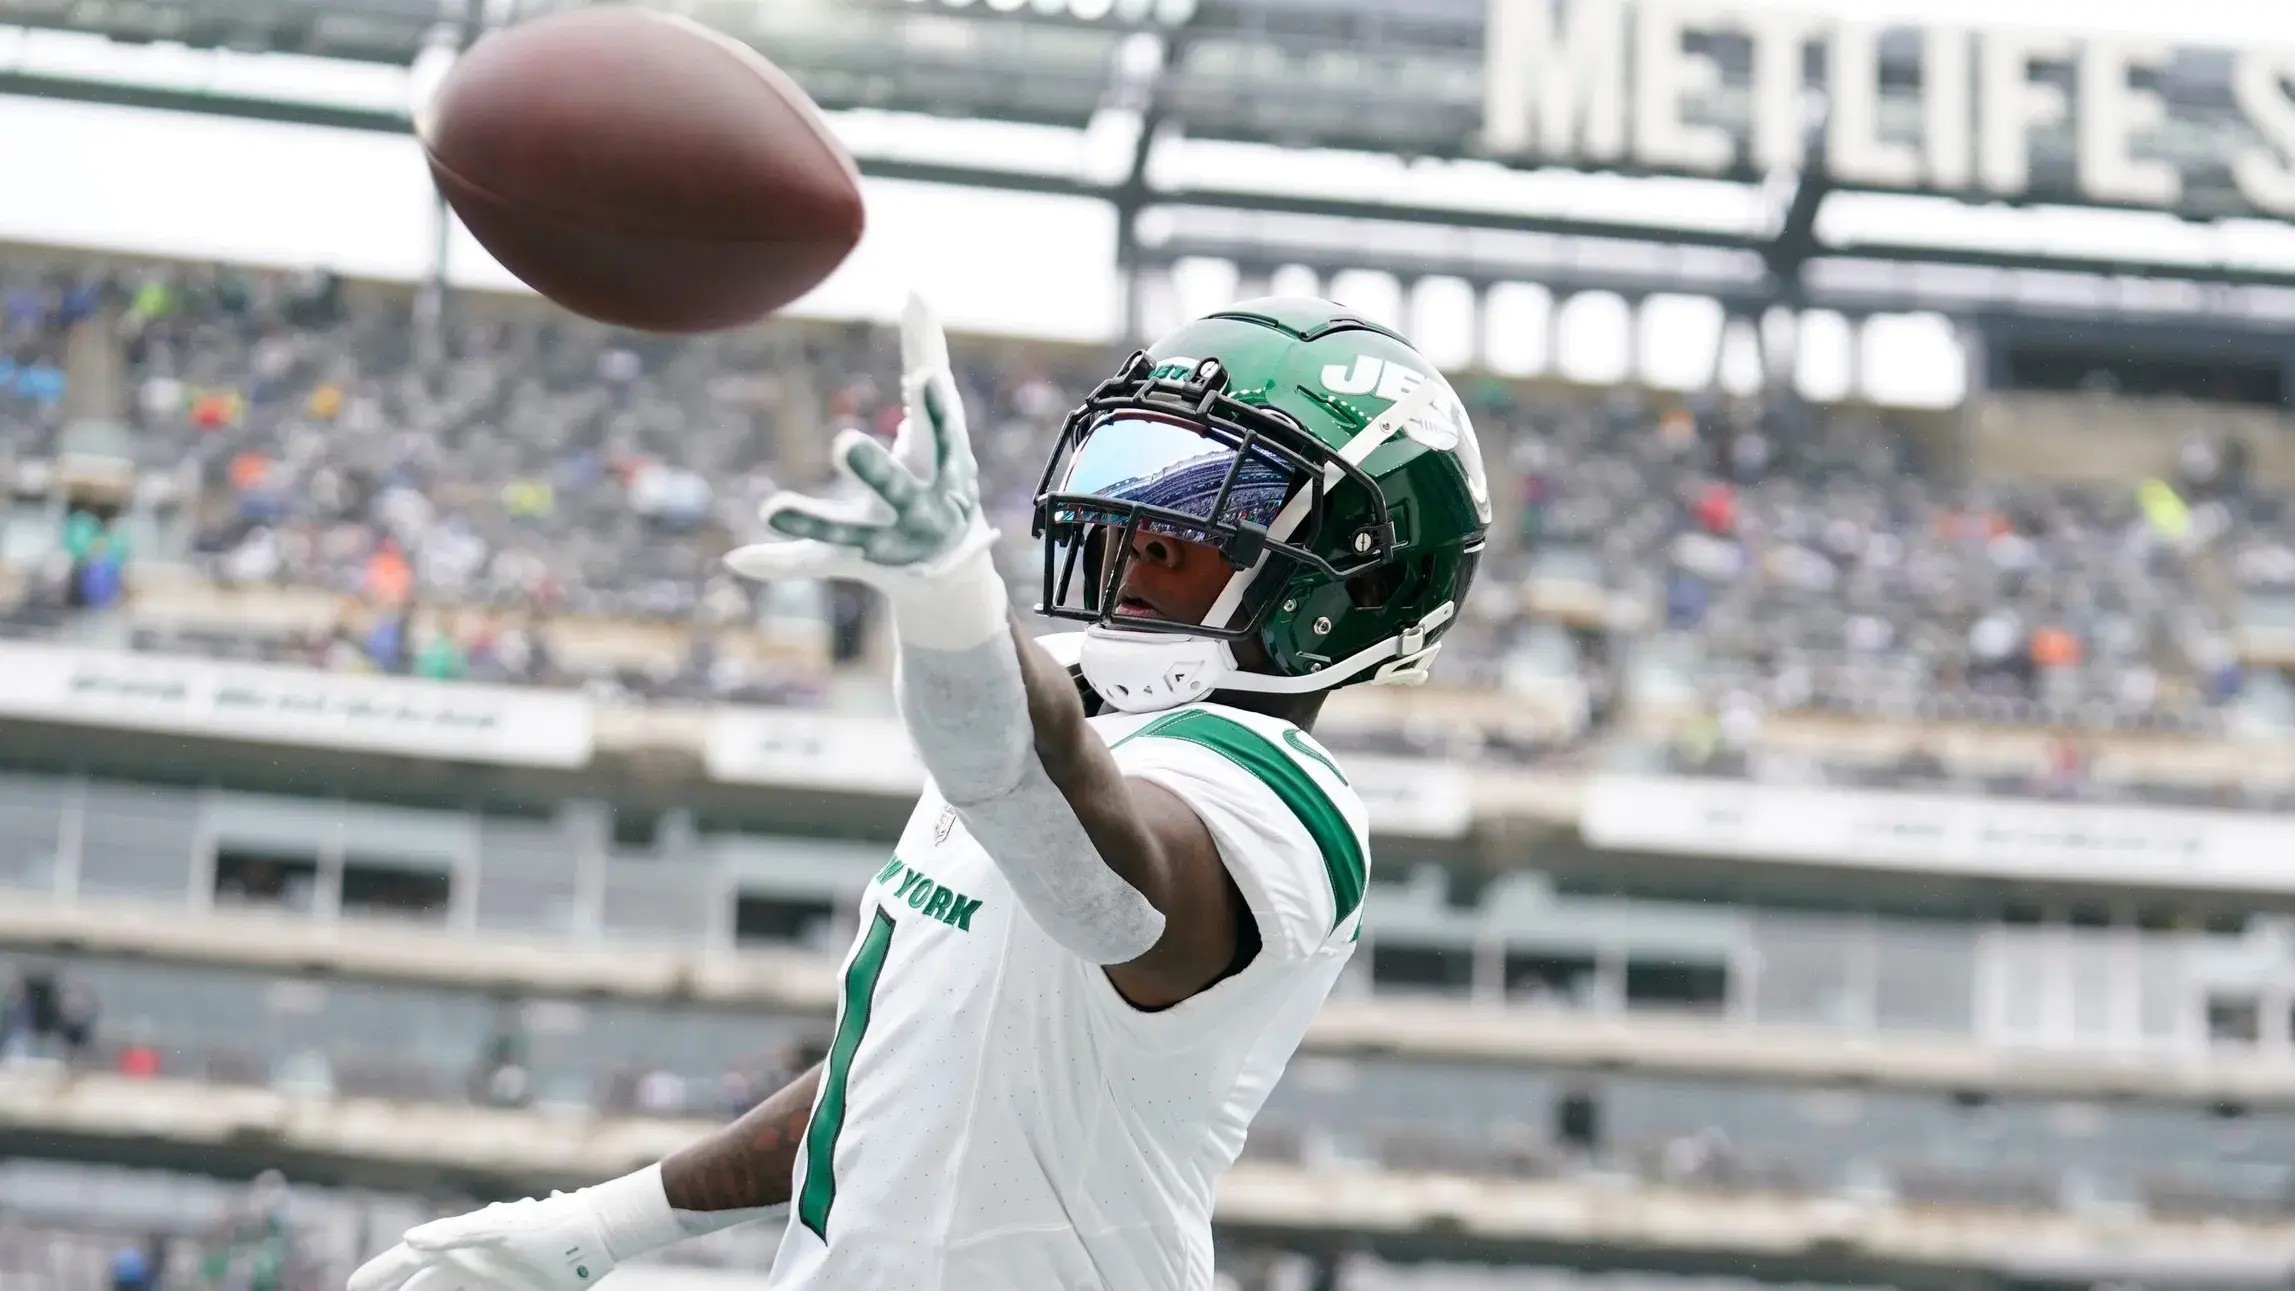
(419,895)
(410,1045)
(1844,846)
(533,500)
(217,962)
(1703,589)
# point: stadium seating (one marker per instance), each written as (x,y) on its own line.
(1680,1169)
(1534,1037)
(516,498)
(1844,846)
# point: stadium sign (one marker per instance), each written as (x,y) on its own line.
(296,706)
(1996,112)
(1413,797)
(1943,834)
(773,746)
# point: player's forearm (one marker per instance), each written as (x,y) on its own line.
(748,1164)
(970,702)
(1080,764)
(1055,711)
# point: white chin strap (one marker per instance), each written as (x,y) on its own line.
(1147,672)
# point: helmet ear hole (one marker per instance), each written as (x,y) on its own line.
(1400,580)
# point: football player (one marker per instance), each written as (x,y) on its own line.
(1134,875)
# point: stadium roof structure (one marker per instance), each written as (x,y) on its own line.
(1398,89)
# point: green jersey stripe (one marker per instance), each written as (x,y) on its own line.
(1343,857)
(820,1191)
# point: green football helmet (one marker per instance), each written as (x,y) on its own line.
(1327,461)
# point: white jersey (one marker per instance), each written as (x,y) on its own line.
(994,1116)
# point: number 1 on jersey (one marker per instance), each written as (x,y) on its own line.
(860,989)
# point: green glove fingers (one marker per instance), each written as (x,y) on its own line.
(929,525)
(948,432)
(930,488)
(872,464)
(791,522)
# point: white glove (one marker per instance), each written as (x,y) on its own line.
(563,1242)
(918,534)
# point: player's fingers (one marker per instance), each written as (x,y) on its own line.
(388,1271)
(944,417)
(921,451)
(864,507)
(451,1276)
(923,344)
(927,381)
(870,463)
(912,447)
(464,1271)
(452,1233)
(794,519)
(773,562)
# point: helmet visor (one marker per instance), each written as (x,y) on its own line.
(1175,478)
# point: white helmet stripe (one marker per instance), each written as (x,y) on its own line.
(1354,453)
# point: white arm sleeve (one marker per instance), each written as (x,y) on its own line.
(967,711)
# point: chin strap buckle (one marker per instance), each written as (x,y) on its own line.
(1413,638)
(1412,651)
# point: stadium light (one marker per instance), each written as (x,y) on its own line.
(1741,363)
(1517,325)
(1442,321)
(1203,284)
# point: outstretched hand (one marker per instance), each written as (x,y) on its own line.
(921,512)
(551,1245)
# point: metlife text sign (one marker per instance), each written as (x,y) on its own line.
(277,705)
(1994,112)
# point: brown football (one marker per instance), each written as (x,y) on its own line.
(642,170)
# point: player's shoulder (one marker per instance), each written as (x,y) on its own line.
(1289,822)
(1255,744)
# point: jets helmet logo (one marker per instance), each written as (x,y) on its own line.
(1442,425)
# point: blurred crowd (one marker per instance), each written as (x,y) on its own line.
(507,1074)
(1816,563)
(44,1017)
(1618,1133)
(472,488)
(231,1237)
